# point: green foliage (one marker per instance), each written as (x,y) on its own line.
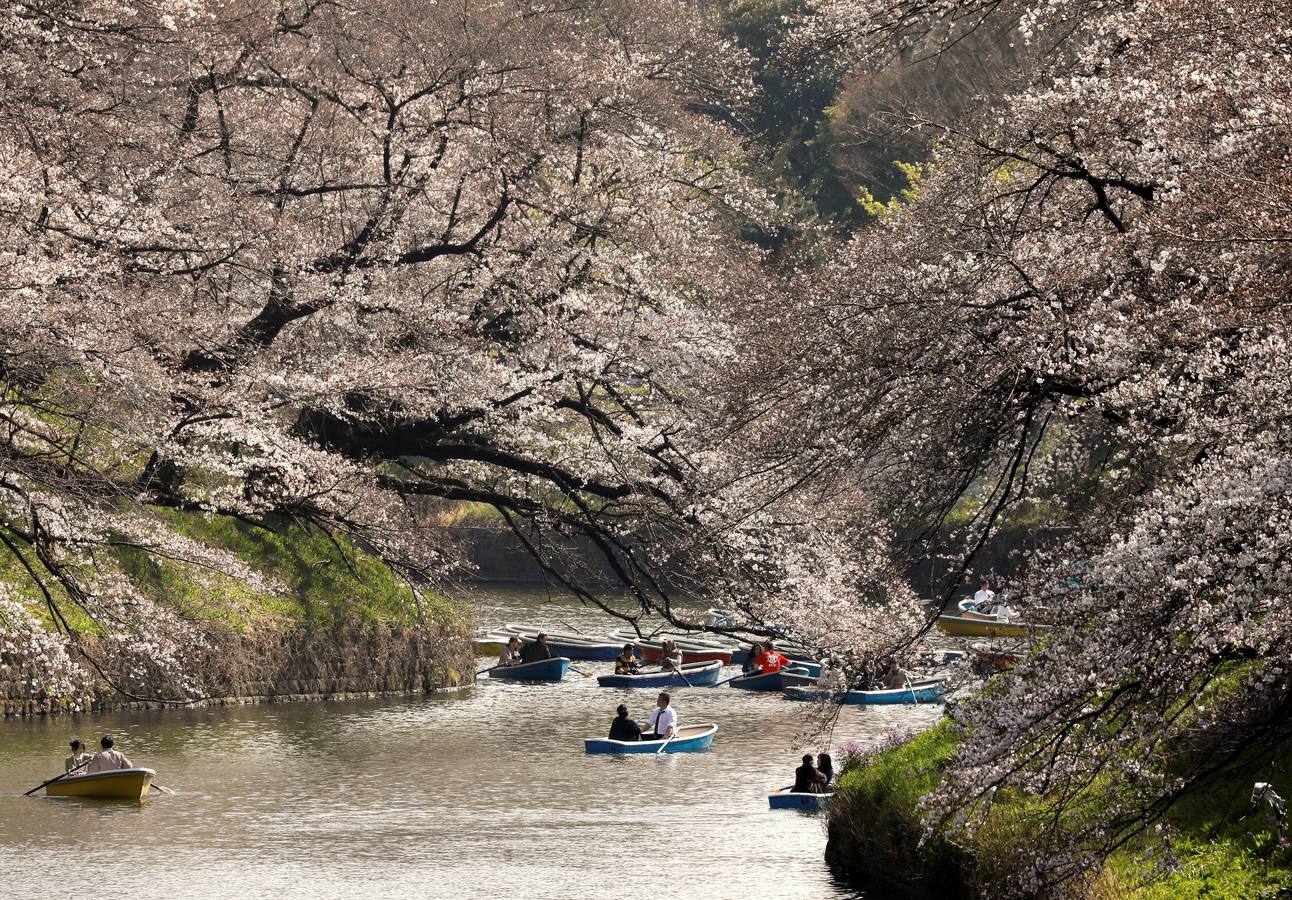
(1211,844)
(791,117)
(912,172)
(319,579)
(899,777)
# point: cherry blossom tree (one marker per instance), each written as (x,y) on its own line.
(1084,316)
(329,262)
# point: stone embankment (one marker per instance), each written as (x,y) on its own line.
(300,664)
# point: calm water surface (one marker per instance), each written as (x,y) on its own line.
(484,792)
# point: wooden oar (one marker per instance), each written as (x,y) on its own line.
(668,741)
(581,672)
(728,680)
(164,790)
(56,778)
(684,678)
(572,628)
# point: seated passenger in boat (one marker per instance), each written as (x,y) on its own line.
(770,661)
(78,759)
(825,765)
(536,651)
(624,728)
(510,654)
(107,759)
(670,657)
(984,597)
(750,665)
(807,778)
(895,676)
(626,663)
(663,721)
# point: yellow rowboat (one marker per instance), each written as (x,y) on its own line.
(490,645)
(125,784)
(971,624)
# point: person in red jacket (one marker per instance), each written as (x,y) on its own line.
(768,660)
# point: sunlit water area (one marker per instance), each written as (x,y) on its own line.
(482,792)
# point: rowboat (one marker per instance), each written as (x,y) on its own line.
(490,644)
(689,739)
(795,678)
(972,624)
(122,784)
(784,798)
(565,643)
(698,674)
(539,670)
(989,659)
(927,692)
(693,651)
(766,681)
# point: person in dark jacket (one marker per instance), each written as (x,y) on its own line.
(807,778)
(536,651)
(624,728)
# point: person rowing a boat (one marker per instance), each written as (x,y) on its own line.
(624,728)
(510,654)
(808,779)
(663,721)
(107,759)
(769,660)
(626,663)
(895,676)
(79,758)
(670,657)
(537,650)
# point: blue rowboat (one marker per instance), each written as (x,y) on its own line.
(794,679)
(698,674)
(922,692)
(540,670)
(784,798)
(689,739)
(927,693)
(565,643)
(765,681)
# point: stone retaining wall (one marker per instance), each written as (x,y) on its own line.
(276,667)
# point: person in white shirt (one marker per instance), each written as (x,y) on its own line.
(984,598)
(663,721)
(510,654)
(107,759)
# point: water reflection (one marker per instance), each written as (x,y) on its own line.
(482,792)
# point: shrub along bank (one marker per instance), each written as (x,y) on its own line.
(322,618)
(1213,843)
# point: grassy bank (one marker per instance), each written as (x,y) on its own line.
(1212,844)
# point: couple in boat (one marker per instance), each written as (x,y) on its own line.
(515,652)
(661,725)
(670,659)
(106,760)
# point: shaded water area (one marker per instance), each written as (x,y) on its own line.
(480,792)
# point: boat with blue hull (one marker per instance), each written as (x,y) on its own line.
(766,681)
(785,798)
(565,643)
(926,692)
(689,739)
(540,670)
(694,675)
